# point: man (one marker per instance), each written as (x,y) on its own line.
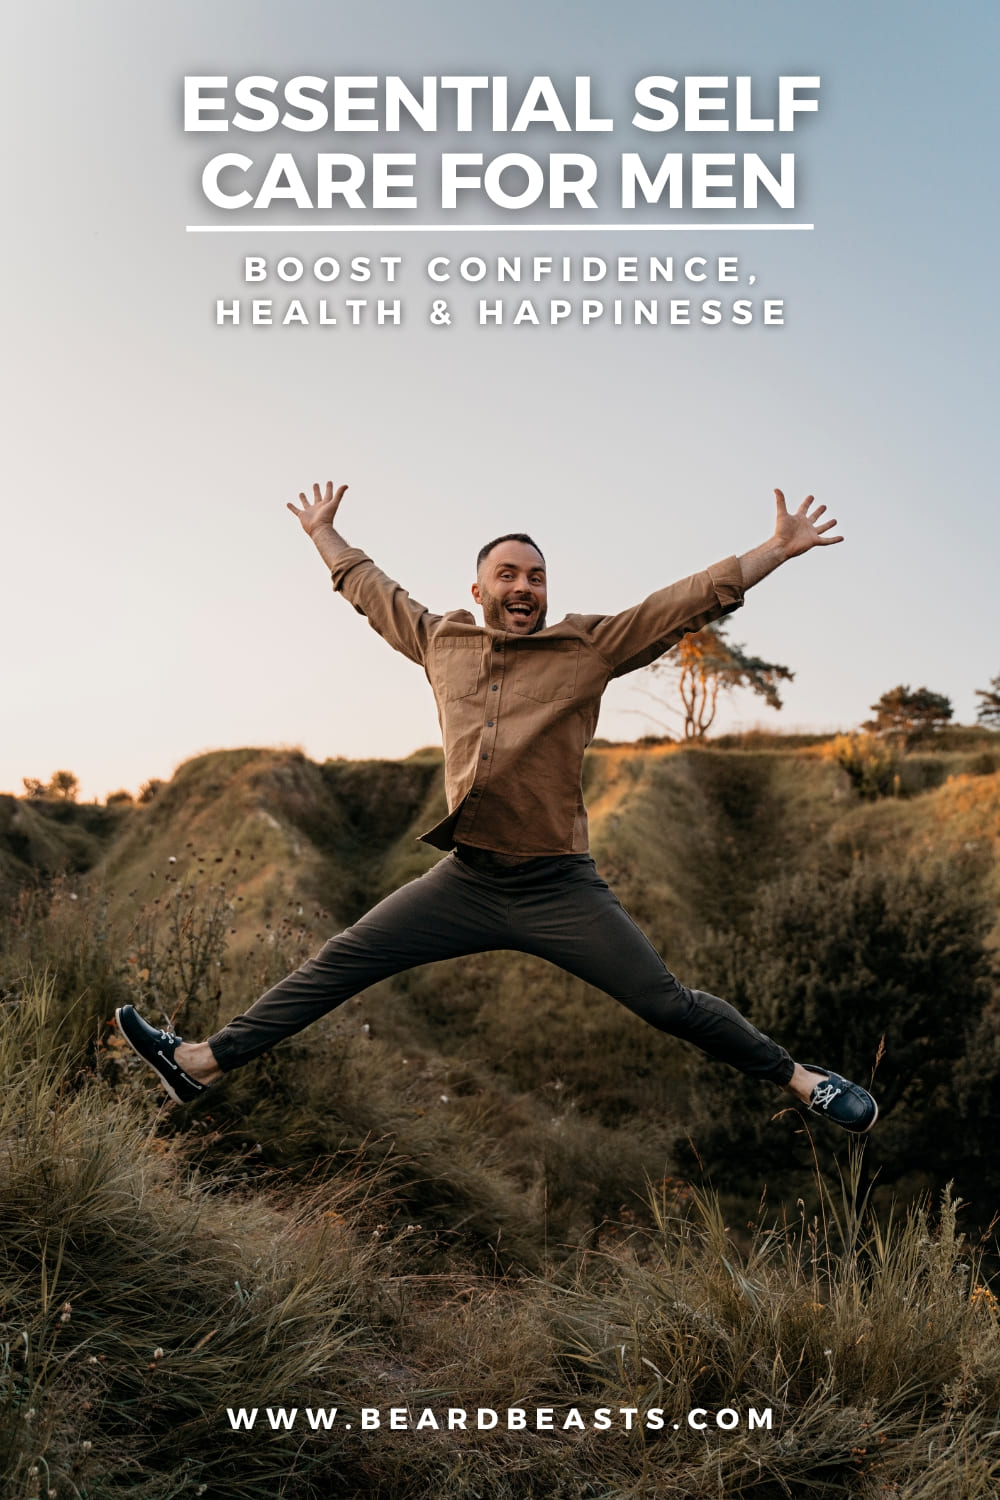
(518,702)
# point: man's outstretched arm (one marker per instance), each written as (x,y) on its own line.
(388,608)
(793,535)
(639,635)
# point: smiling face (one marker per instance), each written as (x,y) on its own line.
(511,588)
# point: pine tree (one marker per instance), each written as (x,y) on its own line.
(988,712)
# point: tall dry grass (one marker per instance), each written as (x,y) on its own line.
(141,1299)
(136,1300)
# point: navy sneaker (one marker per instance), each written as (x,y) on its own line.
(157,1048)
(846,1104)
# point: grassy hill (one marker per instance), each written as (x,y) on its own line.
(45,837)
(482,1183)
(248,859)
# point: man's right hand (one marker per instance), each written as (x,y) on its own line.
(321,509)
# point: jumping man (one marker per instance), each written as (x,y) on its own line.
(518,702)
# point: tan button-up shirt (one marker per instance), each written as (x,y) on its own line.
(518,711)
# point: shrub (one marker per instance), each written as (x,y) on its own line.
(871,764)
(62,787)
(881,966)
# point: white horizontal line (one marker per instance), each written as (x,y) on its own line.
(484,228)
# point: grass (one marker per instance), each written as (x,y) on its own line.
(460,1191)
(142,1297)
(132,1297)
(873,1346)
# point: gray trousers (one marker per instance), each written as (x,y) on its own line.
(556,908)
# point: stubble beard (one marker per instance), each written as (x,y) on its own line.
(495,617)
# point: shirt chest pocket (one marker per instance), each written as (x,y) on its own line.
(455,665)
(547,672)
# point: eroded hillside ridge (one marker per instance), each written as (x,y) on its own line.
(687,835)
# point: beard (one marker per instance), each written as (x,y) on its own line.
(496,616)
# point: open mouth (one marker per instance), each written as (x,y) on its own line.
(520,612)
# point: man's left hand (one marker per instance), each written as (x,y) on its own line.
(797,532)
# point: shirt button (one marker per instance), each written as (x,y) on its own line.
(485,756)
(495,687)
(489,723)
(498,645)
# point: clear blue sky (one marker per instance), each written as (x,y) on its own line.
(158,600)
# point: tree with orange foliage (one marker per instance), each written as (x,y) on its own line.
(704,664)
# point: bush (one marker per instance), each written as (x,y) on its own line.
(871,764)
(878,968)
(62,787)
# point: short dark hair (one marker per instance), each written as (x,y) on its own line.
(508,536)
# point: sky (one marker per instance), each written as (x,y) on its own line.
(159,601)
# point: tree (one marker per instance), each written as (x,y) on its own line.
(63,786)
(705,663)
(988,712)
(907,714)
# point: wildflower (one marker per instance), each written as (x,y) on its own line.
(157,1353)
(67,1312)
